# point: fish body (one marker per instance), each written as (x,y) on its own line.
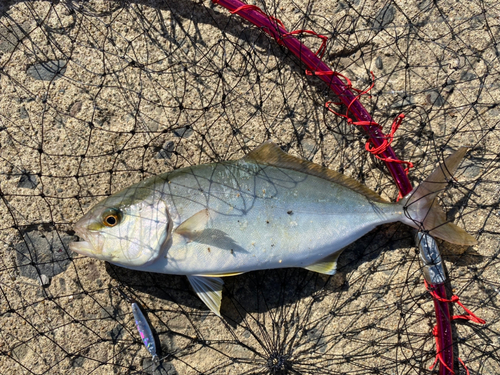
(267,210)
(256,217)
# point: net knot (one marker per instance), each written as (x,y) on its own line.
(346,86)
(388,138)
(378,151)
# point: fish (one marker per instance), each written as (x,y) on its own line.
(266,210)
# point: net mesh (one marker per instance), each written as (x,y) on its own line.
(98,95)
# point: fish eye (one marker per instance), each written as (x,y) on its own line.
(111,217)
(111,220)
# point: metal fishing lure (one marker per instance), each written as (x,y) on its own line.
(142,325)
(145,331)
(431,259)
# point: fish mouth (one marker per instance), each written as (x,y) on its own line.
(82,247)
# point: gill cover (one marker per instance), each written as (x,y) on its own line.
(139,236)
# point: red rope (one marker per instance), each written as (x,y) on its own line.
(469,316)
(388,138)
(321,51)
(454,299)
(257,9)
(465,367)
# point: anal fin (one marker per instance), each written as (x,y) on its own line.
(209,289)
(327,266)
(222,274)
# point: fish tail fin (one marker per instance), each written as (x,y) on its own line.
(422,210)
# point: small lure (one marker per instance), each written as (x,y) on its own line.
(145,331)
(141,323)
(431,259)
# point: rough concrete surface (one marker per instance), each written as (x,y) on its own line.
(98,95)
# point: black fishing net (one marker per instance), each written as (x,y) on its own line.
(97,95)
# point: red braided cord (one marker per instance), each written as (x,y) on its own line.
(257,9)
(463,364)
(469,316)
(386,143)
(388,138)
(321,51)
(454,299)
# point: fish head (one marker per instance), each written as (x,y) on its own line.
(127,229)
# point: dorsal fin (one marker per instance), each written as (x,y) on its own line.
(270,154)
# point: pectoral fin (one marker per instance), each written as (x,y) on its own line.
(327,266)
(209,289)
(194,226)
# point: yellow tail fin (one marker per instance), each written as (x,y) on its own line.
(423,211)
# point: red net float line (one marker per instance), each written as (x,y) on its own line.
(377,151)
(435,331)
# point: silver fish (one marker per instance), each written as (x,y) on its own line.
(266,210)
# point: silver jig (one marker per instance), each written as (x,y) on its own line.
(145,331)
(429,255)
